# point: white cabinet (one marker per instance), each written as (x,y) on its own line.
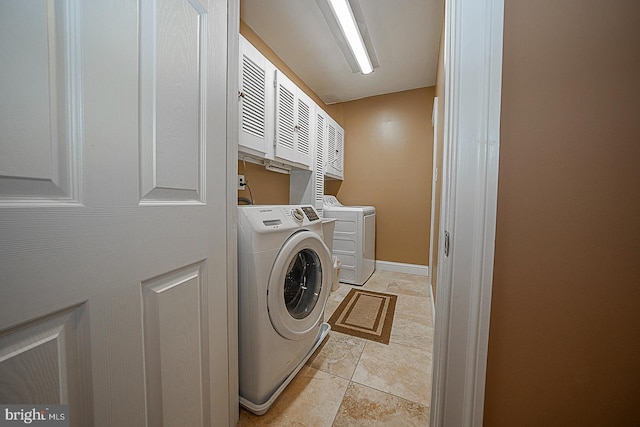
(293,123)
(281,127)
(255,101)
(334,150)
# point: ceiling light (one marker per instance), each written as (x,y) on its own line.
(344,15)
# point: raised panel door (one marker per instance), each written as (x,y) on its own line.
(113,199)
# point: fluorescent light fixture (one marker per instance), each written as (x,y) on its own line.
(344,15)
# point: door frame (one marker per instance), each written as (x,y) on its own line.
(434,182)
(233,51)
(472,87)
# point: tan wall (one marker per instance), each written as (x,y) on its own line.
(267,188)
(388,146)
(564,345)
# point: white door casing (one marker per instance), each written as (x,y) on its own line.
(115,268)
(473,71)
(434,182)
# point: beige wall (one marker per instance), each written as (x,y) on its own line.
(388,146)
(564,345)
(267,188)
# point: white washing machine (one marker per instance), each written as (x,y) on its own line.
(284,280)
(354,239)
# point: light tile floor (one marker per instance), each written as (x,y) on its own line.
(351,381)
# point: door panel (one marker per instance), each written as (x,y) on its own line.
(44,362)
(173,61)
(173,325)
(113,214)
(39,159)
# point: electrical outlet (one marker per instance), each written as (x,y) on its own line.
(242,184)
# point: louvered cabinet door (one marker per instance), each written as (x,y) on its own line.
(335,150)
(330,149)
(318,169)
(339,161)
(252,102)
(285,144)
(304,129)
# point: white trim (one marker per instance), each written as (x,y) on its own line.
(434,182)
(473,73)
(233,30)
(399,267)
(433,304)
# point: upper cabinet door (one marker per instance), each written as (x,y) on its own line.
(304,128)
(335,150)
(285,144)
(253,101)
(294,123)
(339,152)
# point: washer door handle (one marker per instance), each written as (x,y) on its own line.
(303,278)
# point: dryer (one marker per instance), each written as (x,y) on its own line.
(354,239)
(284,280)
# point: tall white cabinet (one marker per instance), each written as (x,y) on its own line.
(318,170)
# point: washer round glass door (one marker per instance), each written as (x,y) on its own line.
(299,285)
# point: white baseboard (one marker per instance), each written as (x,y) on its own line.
(399,267)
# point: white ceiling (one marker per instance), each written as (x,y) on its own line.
(405,36)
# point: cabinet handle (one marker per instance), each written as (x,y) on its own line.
(241,95)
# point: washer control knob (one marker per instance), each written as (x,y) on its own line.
(297,214)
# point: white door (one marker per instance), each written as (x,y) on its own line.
(113,212)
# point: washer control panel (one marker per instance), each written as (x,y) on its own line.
(272,218)
(310,213)
(297,214)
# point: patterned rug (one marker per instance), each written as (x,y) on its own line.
(365,314)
